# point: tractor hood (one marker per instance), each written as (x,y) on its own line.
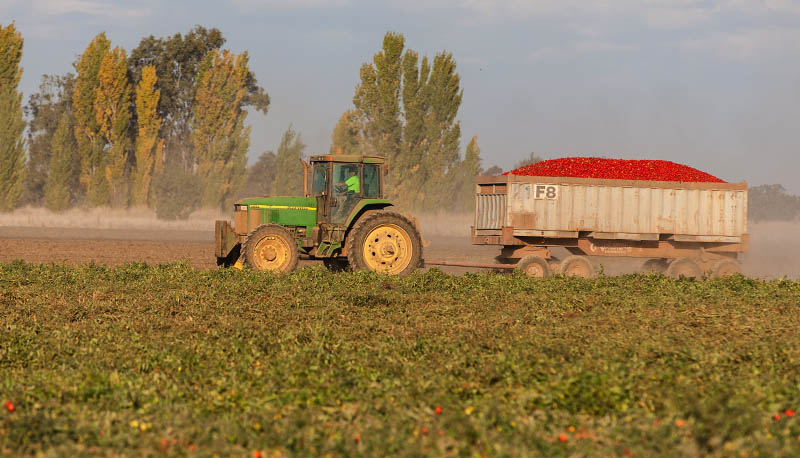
(285,211)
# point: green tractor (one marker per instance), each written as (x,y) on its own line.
(342,219)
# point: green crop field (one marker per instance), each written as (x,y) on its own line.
(142,360)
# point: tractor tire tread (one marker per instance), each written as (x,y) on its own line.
(366,223)
(295,253)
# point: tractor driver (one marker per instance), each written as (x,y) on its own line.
(350,188)
(353,184)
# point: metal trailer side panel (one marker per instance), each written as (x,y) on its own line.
(547,204)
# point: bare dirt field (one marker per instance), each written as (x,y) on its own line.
(112,239)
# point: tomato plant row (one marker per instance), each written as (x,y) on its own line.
(615,169)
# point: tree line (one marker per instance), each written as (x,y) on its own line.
(163,126)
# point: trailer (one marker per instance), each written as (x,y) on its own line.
(681,229)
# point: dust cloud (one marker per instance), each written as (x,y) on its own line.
(774,246)
(774,250)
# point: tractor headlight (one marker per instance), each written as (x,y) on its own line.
(240,208)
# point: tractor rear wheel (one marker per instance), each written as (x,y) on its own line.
(385,242)
(271,248)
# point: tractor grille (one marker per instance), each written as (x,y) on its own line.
(490,211)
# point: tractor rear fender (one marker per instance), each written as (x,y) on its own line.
(370,205)
(363,207)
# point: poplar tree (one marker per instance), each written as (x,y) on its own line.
(112,113)
(45,110)
(407,172)
(289,169)
(87,135)
(466,171)
(63,174)
(12,126)
(219,136)
(260,176)
(421,142)
(149,149)
(442,131)
(347,137)
(377,98)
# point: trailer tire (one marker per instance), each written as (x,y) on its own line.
(725,268)
(655,265)
(533,266)
(386,242)
(271,248)
(577,266)
(684,267)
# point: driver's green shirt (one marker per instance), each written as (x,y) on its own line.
(353,184)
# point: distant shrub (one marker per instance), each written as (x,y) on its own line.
(176,193)
(771,202)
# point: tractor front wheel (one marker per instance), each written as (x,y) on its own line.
(271,248)
(385,242)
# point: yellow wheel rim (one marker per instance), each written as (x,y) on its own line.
(388,249)
(271,253)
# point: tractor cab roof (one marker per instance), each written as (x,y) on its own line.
(352,158)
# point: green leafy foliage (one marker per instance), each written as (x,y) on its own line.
(463,176)
(377,98)
(87,131)
(347,137)
(45,110)
(12,126)
(62,181)
(219,136)
(146,360)
(289,169)
(260,176)
(177,60)
(177,193)
(771,202)
(112,106)
(421,141)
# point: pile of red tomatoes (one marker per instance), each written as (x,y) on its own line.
(615,169)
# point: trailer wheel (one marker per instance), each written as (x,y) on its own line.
(726,267)
(533,266)
(684,267)
(577,266)
(652,266)
(271,248)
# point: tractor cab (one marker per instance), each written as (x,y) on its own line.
(341,182)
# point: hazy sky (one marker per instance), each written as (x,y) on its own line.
(711,83)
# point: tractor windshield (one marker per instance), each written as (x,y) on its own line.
(320,183)
(346,190)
